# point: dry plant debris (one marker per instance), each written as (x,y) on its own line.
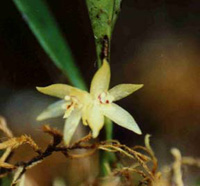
(145,164)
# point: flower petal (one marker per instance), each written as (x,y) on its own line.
(54,110)
(61,90)
(101,80)
(70,125)
(120,117)
(120,91)
(95,119)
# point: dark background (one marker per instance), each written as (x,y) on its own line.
(155,42)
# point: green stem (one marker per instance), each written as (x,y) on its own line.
(109,129)
(103,15)
(107,158)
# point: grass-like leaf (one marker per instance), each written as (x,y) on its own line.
(103,15)
(44,27)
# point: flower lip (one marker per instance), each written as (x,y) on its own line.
(105,98)
(72,102)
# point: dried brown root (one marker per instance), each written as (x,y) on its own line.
(172,174)
(55,146)
(140,167)
(4,128)
(144,161)
(190,161)
(176,167)
(15,142)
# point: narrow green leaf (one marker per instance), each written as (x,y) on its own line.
(103,15)
(44,27)
(117,8)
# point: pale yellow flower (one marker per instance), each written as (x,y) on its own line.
(91,107)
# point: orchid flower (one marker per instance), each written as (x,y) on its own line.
(92,107)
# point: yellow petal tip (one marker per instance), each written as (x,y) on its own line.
(95,134)
(39,88)
(139,86)
(39,118)
(66,142)
(138,131)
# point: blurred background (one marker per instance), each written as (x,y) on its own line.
(155,42)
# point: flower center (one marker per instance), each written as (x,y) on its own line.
(105,98)
(72,103)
